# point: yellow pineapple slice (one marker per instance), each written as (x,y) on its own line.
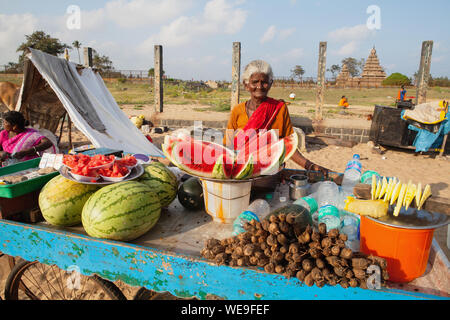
(377,192)
(374,187)
(418,194)
(395,192)
(410,194)
(384,185)
(390,187)
(425,195)
(400,198)
(407,188)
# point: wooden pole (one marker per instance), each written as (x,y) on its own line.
(424,72)
(235,73)
(87,53)
(321,79)
(444,142)
(158,78)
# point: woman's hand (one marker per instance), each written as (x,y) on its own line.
(20,154)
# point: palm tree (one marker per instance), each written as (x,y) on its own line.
(77,44)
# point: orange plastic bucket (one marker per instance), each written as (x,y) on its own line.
(406,250)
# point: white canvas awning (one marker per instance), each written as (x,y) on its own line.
(83,94)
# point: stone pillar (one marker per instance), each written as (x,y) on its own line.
(235,73)
(424,72)
(158,78)
(320,89)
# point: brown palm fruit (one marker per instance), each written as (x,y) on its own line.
(385,274)
(343,237)
(309,280)
(284,249)
(346,253)
(340,243)
(288,273)
(297,229)
(229,250)
(258,253)
(232,263)
(239,250)
(262,240)
(275,247)
(316,273)
(288,256)
(296,257)
(332,280)
(243,261)
(294,266)
(326,242)
(207,254)
(315,245)
(349,274)
(320,263)
(271,240)
(273,228)
(258,225)
(235,256)
(307,265)
(344,283)
(249,249)
(262,262)
(254,239)
(301,274)
(353,282)
(333,233)
(339,271)
(210,243)
(290,218)
(335,250)
(359,274)
(253,260)
(333,261)
(265,224)
(281,238)
(363,284)
(282,217)
(270,267)
(274,219)
(378,261)
(320,283)
(279,268)
(293,247)
(218,249)
(268,252)
(263,245)
(221,258)
(344,262)
(305,237)
(277,256)
(314,253)
(322,229)
(261,232)
(360,263)
(326,252)
(309,229)
(315,236)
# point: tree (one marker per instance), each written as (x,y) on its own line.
(77,45)
(41,41)
(334,69)
(298,72)
(12,67)
(102,62)
(397,79)
(354,66)
(151,72)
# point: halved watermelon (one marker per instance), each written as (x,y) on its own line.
(260,140)
(291,144)
(204,159)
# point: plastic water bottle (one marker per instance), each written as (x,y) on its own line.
(328,202)
(310,202)
(350,227)
(257,210)
(352,175)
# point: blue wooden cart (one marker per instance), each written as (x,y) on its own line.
(167,258)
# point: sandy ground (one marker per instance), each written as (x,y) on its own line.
(399,163)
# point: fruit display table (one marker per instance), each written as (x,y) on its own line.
(167,258)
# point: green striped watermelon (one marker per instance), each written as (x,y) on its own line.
(121,211)
(61,200)
(162,181)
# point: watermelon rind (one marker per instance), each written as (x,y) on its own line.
(277,159)
(291,144)
(61,200)
(246,170)
(122,211)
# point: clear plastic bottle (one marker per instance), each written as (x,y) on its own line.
(257,210)
(352,175)
(310,202)
(350,226)
(328,202)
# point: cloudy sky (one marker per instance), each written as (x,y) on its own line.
(197,35)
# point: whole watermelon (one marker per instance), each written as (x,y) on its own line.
(121,211)
(61,200)
(162,181)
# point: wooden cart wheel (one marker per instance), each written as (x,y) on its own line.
(36,281)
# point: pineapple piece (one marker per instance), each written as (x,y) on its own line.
(384,185)
(425,195)
(395,192)
(377,192)
(400,198)
(410,194)
(418,194)
(374,187)
(390,187)
(407,188)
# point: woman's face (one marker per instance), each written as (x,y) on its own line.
(7,126)
(258,85)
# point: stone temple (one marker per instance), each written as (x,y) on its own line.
(371,77)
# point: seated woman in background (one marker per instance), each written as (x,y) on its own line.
(343,102)
(19,142)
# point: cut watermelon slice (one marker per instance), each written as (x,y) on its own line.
(291,144)
(204,159)
(260,140)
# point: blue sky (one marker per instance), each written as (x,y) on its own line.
(197,35)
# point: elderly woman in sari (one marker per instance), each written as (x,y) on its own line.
(19,142)
(262,112)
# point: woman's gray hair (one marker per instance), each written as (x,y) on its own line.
(257,66)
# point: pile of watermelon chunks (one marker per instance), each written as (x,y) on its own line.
(262,154)
(94,166)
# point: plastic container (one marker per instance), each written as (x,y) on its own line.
(81,178)
(405,250)
(257,210)
(116,179)
(352,175)
(224,201)
(329,215)
(366,177)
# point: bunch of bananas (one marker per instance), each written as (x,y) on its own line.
(402,194)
